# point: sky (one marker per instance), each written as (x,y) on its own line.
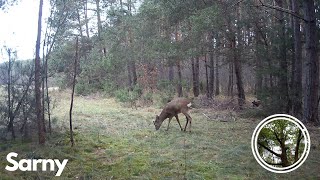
(19,28)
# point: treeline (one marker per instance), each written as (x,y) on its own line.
(205,47)
(140,49)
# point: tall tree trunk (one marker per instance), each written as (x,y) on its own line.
(129,77)
(134,72)
(79,22)
(258,62)
(230,79)
(101,44)
(10,101)
(283,76)
(195,76)
(310,66)
(179,85)
(217,78)
(207,77)
(73,87)
(171,72)
(132,63)
(37,83)
(211,76)
(47,92)
(271,77)
(85,6)
(237,59)
(44,77)
(297,64)
(238,72)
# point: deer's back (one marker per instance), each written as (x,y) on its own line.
(177,106)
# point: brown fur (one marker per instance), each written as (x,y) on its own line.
(172,109)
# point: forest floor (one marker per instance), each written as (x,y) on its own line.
(116,142)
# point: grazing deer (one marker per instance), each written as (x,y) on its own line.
(173,108)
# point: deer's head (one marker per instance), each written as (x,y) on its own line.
(157,123)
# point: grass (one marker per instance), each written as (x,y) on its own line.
(113,142)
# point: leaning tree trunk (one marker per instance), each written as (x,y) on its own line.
(37,82)
(310,66)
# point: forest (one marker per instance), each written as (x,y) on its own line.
(104,69)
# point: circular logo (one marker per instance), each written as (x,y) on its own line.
(280,143)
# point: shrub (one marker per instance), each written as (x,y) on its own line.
(122,95)
(109,88)
(82,88)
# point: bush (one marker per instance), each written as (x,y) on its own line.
(147,97)
(122,95)
(82,88)
(109,88)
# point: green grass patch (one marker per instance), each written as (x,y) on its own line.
(113,142)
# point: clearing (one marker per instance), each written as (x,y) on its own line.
(114,142)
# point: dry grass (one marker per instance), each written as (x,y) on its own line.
(113,142)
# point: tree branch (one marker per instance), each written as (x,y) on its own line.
(278,139)
(282,10)
(268,149)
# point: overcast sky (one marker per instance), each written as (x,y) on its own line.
(19,28)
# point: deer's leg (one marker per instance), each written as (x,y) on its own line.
(178,121)
(185,127)
(188,120)
(169,123)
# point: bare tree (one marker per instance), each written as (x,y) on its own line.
(40,119)
(73,87)
(9,88)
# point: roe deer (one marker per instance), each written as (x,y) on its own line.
(256,103)
(173,108)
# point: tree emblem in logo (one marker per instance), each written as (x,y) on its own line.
(280,143)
